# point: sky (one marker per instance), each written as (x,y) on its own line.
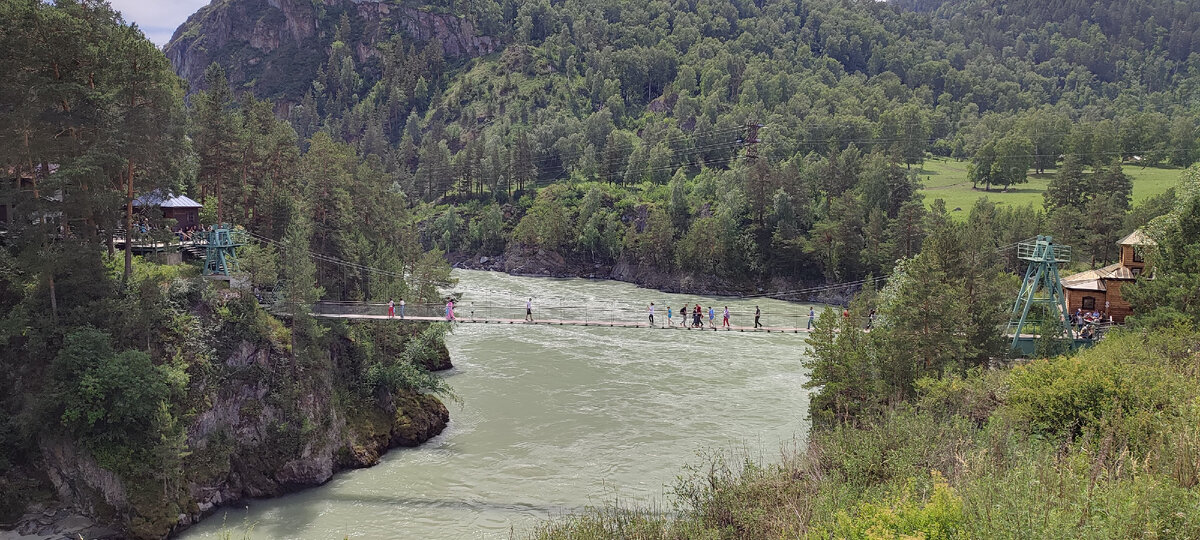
(158,19)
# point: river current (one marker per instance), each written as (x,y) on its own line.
(557,418)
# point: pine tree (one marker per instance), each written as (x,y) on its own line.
(1067,188)
(215,136)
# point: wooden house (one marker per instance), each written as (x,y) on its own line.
(182,209)
(1100,289)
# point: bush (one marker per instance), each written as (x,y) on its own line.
(112,402)
(1066,396)
(938,518)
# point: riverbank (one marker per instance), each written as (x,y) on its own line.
(541,263)
(1100,444)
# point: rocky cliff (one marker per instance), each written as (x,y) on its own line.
(274,47)
(262,426)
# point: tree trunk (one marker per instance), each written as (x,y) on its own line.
(53,299)
(128,226)
(220,202)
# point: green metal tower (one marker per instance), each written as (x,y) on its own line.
(1040,286)
(220,256)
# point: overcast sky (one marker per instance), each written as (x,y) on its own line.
(158,19)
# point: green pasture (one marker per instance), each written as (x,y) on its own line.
(946,179)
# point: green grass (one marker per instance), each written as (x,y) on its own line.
(947,179)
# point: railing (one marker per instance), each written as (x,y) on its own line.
(1036,251)
(574,314)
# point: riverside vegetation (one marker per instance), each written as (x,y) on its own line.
(917,434)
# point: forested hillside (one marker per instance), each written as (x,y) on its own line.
(642,111)
(143,395)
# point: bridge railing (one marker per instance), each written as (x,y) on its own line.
(588,314)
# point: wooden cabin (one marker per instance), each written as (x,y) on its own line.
(1100,289)
(182,209)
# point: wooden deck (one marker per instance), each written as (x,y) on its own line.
(565,322)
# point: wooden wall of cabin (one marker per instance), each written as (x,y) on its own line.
(1118,307)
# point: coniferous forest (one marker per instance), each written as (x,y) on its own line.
(711,146)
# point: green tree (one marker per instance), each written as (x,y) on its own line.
(1171,296)
(1067,188)
(216,137)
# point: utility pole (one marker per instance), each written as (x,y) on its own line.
(752,140)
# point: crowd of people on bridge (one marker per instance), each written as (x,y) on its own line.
(693,317)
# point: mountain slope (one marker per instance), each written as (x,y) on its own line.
(275,47)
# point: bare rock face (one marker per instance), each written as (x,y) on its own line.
(272,44)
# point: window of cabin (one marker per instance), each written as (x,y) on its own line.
(1138,254)
(1135,271)
(1089,302)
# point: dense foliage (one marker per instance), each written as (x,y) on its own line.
(107,360)
(851,96)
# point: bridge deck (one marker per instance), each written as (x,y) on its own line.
(561,322)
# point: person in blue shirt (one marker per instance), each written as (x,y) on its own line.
(712,315)
(669,322)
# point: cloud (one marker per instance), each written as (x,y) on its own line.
(158,19)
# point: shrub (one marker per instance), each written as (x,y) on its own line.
(1065,396)
(905,516)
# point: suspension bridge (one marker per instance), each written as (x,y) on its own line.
(1041,288)
(470,313)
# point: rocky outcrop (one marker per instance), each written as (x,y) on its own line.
(268,45)
(263,427)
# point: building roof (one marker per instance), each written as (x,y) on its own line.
(1093,280)
(156,198)
(1137,238)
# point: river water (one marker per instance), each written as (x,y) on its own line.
(558,418)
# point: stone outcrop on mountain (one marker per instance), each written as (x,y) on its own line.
(274,47)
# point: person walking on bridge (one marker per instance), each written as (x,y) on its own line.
(651,314)
(670,323)
(725,318)
(391,309)
(450,310)
(712,318)
(401,308)
(696,317)
(529,310)
(811,317)
(757,314)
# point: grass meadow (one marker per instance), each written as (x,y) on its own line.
(946,179)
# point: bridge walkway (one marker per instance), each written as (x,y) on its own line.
(561,322)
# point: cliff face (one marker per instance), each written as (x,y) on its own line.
(274,47)
(262,427)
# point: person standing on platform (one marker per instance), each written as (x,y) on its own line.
(725,318)
(757,314)
(391,309)
(529,310)
(811,317)
(651,314)
(401,308)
